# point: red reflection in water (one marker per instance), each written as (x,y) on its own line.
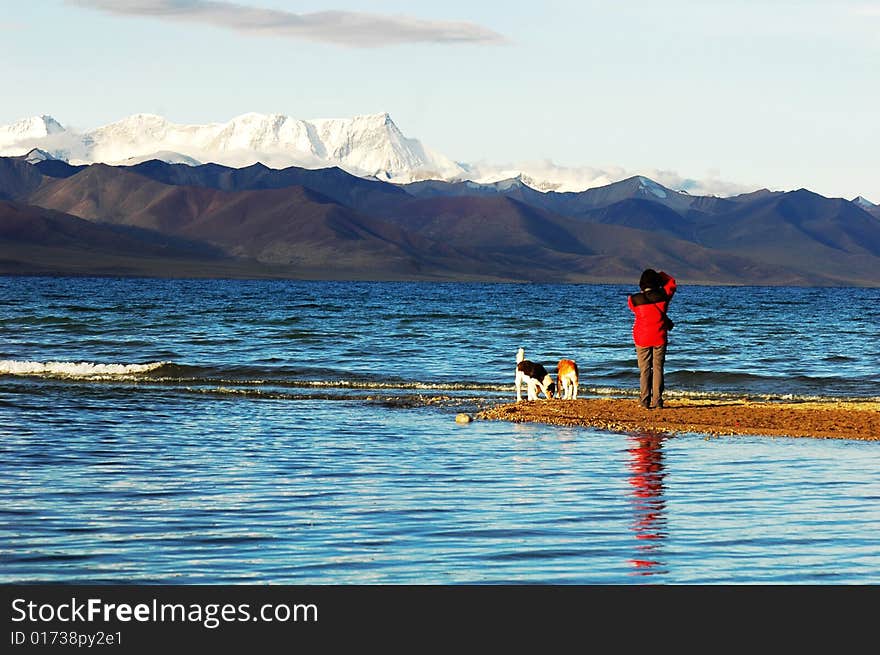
(646,480)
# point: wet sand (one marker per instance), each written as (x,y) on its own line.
(824,420)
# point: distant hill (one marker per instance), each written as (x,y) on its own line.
(328,224)
(334,183)
(18,178)
(35,240)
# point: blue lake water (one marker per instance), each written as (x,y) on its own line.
(219,431)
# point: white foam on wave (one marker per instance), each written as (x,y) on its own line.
(428,386)
(77,370)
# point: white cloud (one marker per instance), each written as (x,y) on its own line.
(345,28)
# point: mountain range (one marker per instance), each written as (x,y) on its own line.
(370,146)
(171,219)
(367,146)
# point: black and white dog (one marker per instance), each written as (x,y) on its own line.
(534,375)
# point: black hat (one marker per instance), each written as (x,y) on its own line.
(650,279)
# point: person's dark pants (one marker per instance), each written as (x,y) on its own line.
(651,375)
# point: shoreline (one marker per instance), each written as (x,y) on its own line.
(857,420)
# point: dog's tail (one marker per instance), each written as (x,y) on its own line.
(520,355)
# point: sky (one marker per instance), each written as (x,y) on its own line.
(740,94)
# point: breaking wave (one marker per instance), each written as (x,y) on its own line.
(76,370)
(171,373)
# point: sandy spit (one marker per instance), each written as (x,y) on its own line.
(823,420)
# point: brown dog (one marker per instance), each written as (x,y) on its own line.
(567,379)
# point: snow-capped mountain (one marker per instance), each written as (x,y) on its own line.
(27,130)
(864,203)
(369,146)
(36,155)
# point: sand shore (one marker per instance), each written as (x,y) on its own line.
(824,420)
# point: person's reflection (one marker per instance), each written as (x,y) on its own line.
(646,466)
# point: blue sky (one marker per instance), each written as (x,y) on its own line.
(763,94)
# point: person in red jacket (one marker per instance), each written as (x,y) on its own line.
(650,333)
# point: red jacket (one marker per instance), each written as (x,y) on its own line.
(648,330)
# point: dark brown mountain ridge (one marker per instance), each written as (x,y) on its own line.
(327,224)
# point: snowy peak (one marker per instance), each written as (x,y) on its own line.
(650,187)
(28,130)
(640,186)
(863,202)
(516,182)
(35,156)
(369,145)
(166,156)
(375,145)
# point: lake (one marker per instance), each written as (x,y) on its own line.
(223,431)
